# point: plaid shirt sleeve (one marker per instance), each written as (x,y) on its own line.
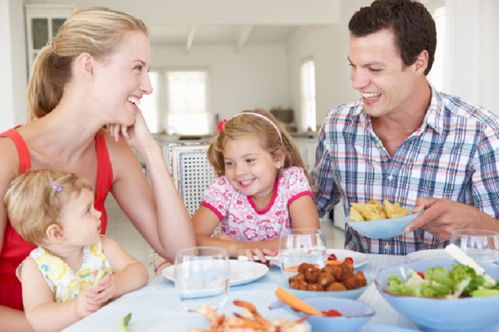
(485,179)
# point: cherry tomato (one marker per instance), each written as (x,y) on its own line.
(332,313)
(332,257)
(349,260)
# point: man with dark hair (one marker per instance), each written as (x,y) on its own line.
(403,140)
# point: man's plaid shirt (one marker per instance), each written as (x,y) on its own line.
(453,155)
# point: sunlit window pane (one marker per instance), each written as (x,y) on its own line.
(307,87)
(436,75)
(150,104)
(187,102)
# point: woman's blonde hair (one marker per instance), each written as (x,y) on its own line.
(273,137)
(34,200)
(96,31)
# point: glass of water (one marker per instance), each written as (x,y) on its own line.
(481,245)
(298,246)
(202,277)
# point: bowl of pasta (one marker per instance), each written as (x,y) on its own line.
(378,220)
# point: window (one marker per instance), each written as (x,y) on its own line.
(184,92)
(149,104)
(436,75)
(307,95)
(42,23)
(187,102)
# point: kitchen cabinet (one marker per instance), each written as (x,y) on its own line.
(306,147)
(43,23)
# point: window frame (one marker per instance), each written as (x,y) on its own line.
(209,113)
(303,113)
(163,102)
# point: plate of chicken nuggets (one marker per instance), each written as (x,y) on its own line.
(336,279)
(378,220)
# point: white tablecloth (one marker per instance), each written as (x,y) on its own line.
(156,307)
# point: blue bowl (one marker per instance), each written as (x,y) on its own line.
(436,314)
(383,228)
(347,294)
(355,314)
(304,294)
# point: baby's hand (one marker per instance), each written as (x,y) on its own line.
(85,303)
(105,289)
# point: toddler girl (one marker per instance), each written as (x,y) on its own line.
(61,278)
(262,189)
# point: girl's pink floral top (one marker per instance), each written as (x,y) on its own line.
(238,214)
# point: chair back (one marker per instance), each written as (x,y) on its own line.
(191,171)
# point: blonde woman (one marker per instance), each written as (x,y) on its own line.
(74,270)
(93,74)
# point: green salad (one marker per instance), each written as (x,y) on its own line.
(460,281)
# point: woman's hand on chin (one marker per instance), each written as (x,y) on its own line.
(137,135)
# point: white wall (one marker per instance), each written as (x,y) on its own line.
(12,64)
(471,71)
(489,50)
(220,11)
(471,67)
(254,77)
(6,88)
(328,46)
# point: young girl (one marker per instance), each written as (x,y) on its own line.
(262,189)
(61,277)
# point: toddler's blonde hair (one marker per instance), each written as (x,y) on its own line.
(272,141)
(34,200)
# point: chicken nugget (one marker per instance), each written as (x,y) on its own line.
(325,278)
(336,286)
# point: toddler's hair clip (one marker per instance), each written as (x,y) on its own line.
(57,187)
(221,125)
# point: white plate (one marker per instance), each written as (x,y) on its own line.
(241,272)
(427,255)
(359,259)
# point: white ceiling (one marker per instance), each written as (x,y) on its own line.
(238,36)
(219,34)
(236,23)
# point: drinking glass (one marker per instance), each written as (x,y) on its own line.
(298,246)
(202,277)
(481,245)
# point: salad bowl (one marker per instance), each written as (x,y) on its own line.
(448,313)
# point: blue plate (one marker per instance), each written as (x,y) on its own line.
(383,228)
(477,314)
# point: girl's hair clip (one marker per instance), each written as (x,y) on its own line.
(57,187)
(221,125)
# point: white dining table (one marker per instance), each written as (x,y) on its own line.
(156,307)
